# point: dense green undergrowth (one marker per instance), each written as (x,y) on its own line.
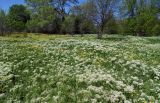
(64,69)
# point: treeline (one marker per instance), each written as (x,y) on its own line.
(131,17)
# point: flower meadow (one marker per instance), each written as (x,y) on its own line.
(63,69)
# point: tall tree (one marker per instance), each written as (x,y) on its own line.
(68,25)
(140,16)
(99,12)
(129,7)
(17,17)
(62,6)
(43,17)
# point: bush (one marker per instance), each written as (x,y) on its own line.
(156,30)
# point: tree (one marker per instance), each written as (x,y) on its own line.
(140,16)
(77,23)
(35,4)
(129,12)
(87,27)
(2,22)
(98,11)
(111,26)
(129,8)
(156,30)
(44,18)
(17,17)
(61,6)
(68,25)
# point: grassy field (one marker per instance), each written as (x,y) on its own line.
(64,69)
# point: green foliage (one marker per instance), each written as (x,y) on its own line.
(87,27)
(44,16)
(68,25)
(111,26)
(17,17)
(129,26)
(76,24)
(133,17)
(156,30)
(142,18)
(2,22)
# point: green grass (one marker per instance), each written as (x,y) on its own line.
(66,69)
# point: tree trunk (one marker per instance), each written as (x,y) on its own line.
(82,34)
(99,35)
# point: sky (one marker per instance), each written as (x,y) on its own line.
(5,4)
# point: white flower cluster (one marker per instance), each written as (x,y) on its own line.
(79,70)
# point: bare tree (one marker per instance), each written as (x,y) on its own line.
(61,6)
(99,12)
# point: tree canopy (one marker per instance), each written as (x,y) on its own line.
(130,17)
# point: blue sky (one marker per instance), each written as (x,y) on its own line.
(5,4)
